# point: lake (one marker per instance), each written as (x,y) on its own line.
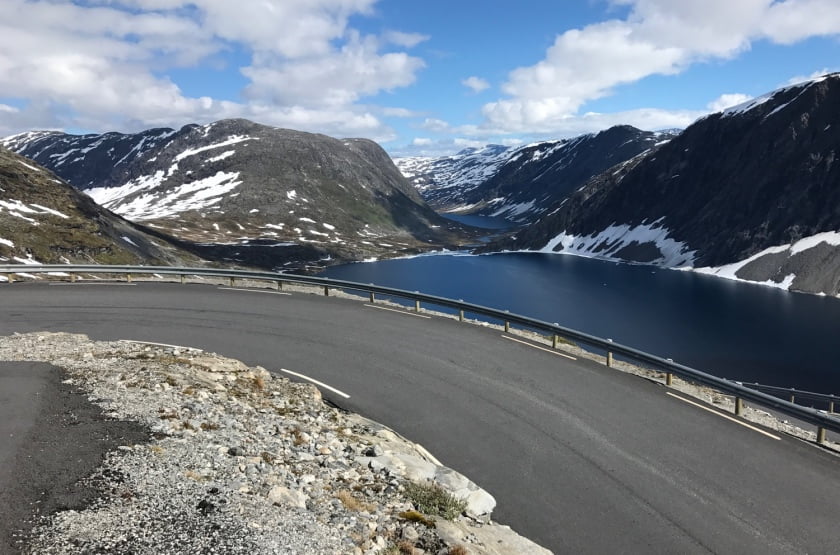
(734,330)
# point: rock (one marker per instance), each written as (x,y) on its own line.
(480,503)
(373,451)
(206,507)
(487,540)
(236,452)
(410,533)
(286,497)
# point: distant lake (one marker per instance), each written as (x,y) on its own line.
(733,330)
(487,222)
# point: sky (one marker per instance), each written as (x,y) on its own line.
(420,77)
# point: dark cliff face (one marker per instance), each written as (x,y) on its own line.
(44,219)
(731,185)
(235,181)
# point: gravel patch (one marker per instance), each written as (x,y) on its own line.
(225,458)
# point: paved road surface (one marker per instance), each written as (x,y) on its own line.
(582,459)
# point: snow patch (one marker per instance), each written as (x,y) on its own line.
(730,271)
(196,195)
(232,140)
(606,243)
(50,211)
(28,166)
(6,242)
(221,156)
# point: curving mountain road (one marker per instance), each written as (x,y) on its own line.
(581,459)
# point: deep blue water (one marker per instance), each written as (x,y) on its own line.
(734,330)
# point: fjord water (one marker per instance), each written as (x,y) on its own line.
(740,331)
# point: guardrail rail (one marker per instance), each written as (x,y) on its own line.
(739,391)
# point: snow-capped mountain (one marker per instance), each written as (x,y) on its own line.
(444,181)
(243,184)
(750,193)
(523,183)
(44,220)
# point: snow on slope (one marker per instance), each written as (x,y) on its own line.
(608,242)
(146,204)
(464,170)
(730,271)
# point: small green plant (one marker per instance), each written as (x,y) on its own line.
(430,498)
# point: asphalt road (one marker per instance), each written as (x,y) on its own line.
(580,458)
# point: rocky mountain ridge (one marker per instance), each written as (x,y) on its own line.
(45,220)
(252,191)
(748,193)
(521,184)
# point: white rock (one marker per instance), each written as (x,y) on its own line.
(480,503)
(286,497)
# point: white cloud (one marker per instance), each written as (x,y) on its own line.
(476,84)
(435,125)
(406,40)
(658,37)
(422,141)
(725,101)
(103,64)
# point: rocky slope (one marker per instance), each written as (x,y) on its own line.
(241,461)
(748,193)
(523,183)
(43,219)
(256,189)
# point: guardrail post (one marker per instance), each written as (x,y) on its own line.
(792,398)
(183,279)
(72,278)
(739,406)
(416,306)
(831,407)
(231,281)
(609,356)
(555,339)
(9,279)
(507,326)
(128,278)
(372,297)
(460,315)
(326,290)
(820,434)
(279,284)
(669,378)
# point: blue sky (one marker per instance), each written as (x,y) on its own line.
(424,77)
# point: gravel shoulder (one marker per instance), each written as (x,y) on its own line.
(138,448)
(53,438)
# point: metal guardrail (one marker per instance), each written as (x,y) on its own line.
(793,394)
(820,419)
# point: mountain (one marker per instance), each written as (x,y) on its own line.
(749,193)
(45,220)
(523,183)
(251,188)
(444,181)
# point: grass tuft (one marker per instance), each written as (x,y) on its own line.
(420,518)
(431,499)
(352,503)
